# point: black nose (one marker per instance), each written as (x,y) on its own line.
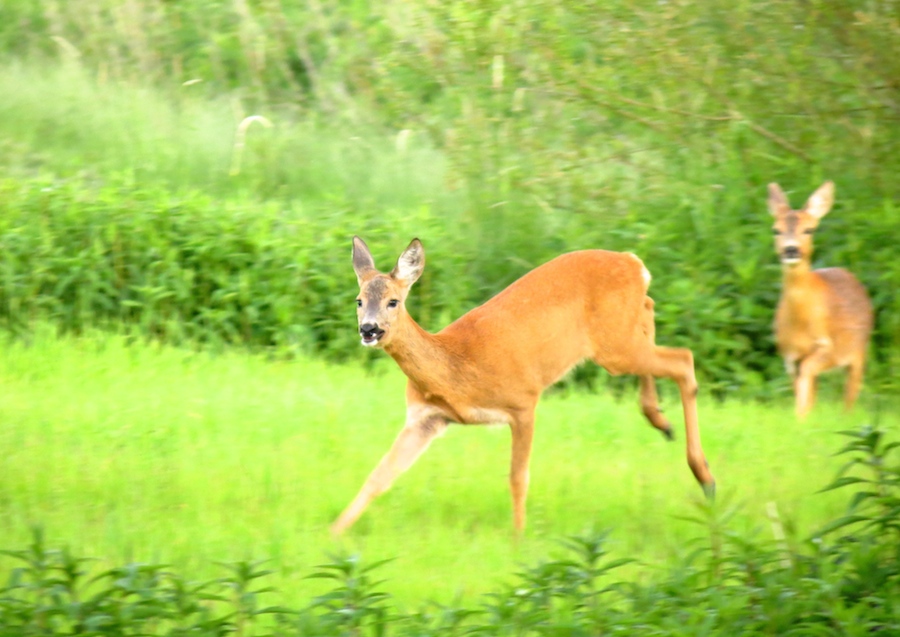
(792,252)
(368,329)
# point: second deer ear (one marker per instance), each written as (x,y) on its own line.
(410,264)
(821,200)
(778,201)
(363,264)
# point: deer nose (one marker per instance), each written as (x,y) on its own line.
(368,329)
(791,252)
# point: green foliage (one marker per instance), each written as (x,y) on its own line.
(499,133)
(179,269)
(876,507)
(188,268)
(49,594)
(354,606)
(749,587)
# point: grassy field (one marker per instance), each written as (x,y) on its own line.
(141,453)
(134,198)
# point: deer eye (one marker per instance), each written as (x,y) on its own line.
(808,231)
(358,302)
(393,303)
(776,231)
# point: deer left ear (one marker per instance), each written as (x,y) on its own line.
(363,263)
(821,200)
(410,264)
(778,201)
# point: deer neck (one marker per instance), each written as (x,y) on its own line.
(419,354)
(796,279)
(796,273)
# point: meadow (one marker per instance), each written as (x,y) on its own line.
(139,453)
(181,382)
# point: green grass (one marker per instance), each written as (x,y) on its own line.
(141,453)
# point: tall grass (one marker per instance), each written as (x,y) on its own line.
(63,121)
(164,455)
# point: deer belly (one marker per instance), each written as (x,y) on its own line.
(480,416)
(795,344)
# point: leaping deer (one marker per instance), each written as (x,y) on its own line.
(824,317)
(492,364)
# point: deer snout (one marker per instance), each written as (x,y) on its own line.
(370,333)
(790,253)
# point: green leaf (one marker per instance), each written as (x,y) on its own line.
(843,482)
(841,523)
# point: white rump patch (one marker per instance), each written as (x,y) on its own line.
(645,273)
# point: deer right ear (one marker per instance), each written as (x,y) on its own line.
(363,263)
(778,201)
(410,264)
(821,200)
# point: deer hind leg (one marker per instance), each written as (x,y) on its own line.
(649,399)
(421,428)
(522,436)
(678,364)
(650,407)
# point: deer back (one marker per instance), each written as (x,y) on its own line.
(502,354)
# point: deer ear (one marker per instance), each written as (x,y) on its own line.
(778,201)
(410,264)
(363,264)
(821,200)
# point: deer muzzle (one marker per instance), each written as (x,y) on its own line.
(370,333)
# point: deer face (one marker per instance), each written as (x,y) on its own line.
(379,303)
(793,232)
(794,229)
(382,297)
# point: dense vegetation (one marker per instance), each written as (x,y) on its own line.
(500,133)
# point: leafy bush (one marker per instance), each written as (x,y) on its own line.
(190,269)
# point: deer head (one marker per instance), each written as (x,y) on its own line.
(794,228)
(381,302)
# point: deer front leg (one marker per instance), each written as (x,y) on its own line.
(854,379)
(522,435)
(809,368)
(422,426)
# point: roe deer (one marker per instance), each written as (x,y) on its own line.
(491,364)
(824,317)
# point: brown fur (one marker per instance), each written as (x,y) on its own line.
(824,317)
(492,363)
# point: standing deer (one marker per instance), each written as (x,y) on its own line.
(824,317)
(491,364)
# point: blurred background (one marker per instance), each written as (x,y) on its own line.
(193,171)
